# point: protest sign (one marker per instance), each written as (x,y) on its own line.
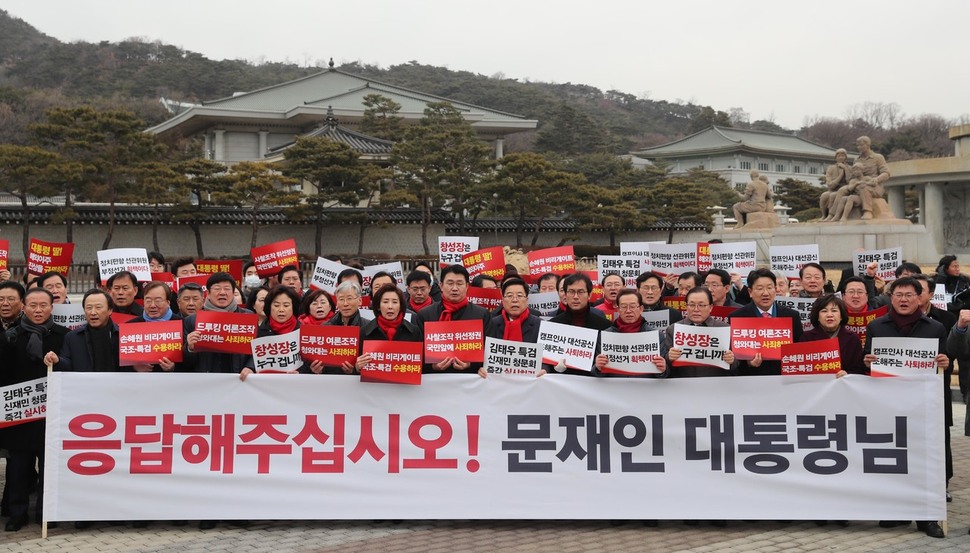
(630,354)
(656,320)
(277,353)
(212,266)
(24,402)
(201,280)
(802,305)
(565,345)
(392,362)
(703,257)
(701,346)
(452,248)
(887,259)
(4,254)
(858,322)
(904,356)
(560,260)
(753,335)
(460,339)
(546,303)
(147,343)
(673,259)
(325,275)
(270,258)
(814,357)
(332,345)
(488,298)
(734,257)
(721,312)
(49,257)
(505,357)
(788,260)
(393,268)
(629,268)
(225,332)
(70,315)
(487,261)
(133,260)
(168,279)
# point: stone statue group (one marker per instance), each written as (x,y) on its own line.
(853,191)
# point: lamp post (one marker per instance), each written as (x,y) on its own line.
(495,215)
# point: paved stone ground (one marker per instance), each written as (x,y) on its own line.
(515,536)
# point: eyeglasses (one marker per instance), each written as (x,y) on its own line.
(650,288)
(697,305)
(577,293)
(628,307)
(514,296)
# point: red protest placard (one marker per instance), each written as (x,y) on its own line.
(858,322)
(721,312)
(703,257)
(147,343)
(167,278)
(212,266)
(815,357)
(269,259)
(560,261)
(489,298)
(753,335)
(678,303)
(49,257)
(464,340)
(331,345)
(121,318)
(392,362)
(225,332)
(487,261)
(597,293)
(201,280)
(4,254)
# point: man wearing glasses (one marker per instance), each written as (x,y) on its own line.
(650,285)
(577,288)
(718,281)
(761,286)
(699,304)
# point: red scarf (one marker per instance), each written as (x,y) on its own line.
(513,327)
(627,327)
(390,326)
(418,307)
(450,308)
(310,320)
(282,328)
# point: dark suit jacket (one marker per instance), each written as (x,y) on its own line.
(530,328)
(752,311)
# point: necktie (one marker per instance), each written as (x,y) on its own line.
(766,315)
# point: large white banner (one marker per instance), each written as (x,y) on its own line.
(208,446)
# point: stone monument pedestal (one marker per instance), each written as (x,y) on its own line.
(760,220)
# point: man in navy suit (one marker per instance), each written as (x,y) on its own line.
(761,284)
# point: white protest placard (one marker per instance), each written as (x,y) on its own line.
(666,259)
(279,353)
(940,298)
(70,315)
(394,268)
(451,248)
(133,260)
(572,346)
(887,259)
(734,257)
(630,353)
(904,356)
(639,250)
(507,357)
(787,260)
(701,345)
(802,305)
(657,320)
(546,303)
(325,275)
(627,267)
(24,401)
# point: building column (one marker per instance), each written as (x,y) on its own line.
(499,148)
(896,196)
(931,212)
(220,146)
(207,147)
(263,140)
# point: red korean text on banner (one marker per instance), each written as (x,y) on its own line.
(489,298)
(815,357)
(49,257)
(858,322)
(165,278)
(753,335)
(392,362)
(463,340)
(225,332)
(703,257)
(269,259)
(561,261)
(147,343)
(331,345)
(212,266)
(4,254)
(201,280)
(487,261)
(597,293)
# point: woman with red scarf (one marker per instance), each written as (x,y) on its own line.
(515,322)
(316,308)
(389,323)
(280,308)
(629,309)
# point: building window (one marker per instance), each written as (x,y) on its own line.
(813,170)
(780,168)
(797,169)
(762,166)
(746,165)
(739,186)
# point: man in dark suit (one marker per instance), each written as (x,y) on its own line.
(514,321)
(761,284)
(454,306)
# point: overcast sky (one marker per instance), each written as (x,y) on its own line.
(777,60)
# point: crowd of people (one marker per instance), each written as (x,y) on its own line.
(32,341)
